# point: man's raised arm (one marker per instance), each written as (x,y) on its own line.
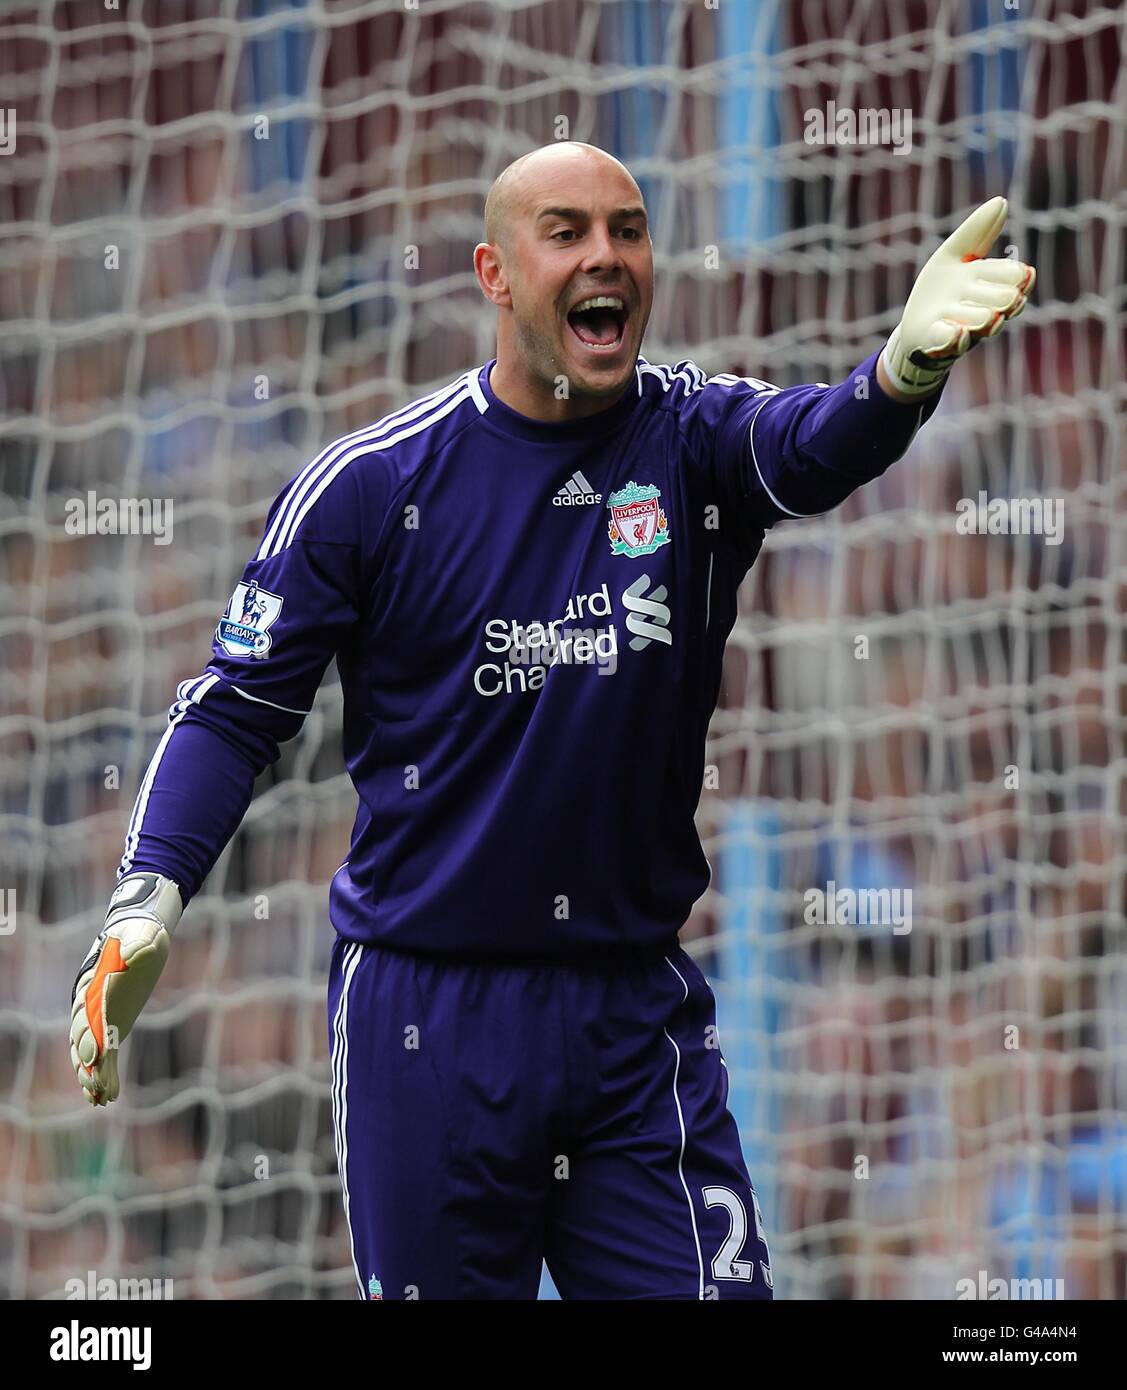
(801,451)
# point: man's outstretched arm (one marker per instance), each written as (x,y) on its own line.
(801,451)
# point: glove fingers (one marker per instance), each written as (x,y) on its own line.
(992,296)
(959,299)
(946,341)
(1000,320)
(1016,309)
(117,977)
(105,1073)
(979,232)
(86,1046)
(93,1076)
(129,988)
(98,1095)
(947,338)
(999,270)
(979,318)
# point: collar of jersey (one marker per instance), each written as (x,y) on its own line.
(548,431)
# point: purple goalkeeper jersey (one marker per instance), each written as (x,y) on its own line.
(529,622)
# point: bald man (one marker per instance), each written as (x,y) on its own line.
(527,579)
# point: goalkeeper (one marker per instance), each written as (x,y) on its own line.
(527,578)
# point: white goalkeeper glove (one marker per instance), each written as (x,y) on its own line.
(117,977)
(958,299)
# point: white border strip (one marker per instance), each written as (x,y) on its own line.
(681,1155)
(762,479)
(352,954)
(281,529)
(190,693)
(258,700)
(299,509)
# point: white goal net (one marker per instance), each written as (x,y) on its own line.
(232,230)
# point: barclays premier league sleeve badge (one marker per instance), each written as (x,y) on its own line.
(244,630)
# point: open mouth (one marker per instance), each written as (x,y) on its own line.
(599,322)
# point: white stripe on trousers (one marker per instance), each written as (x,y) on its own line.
(681,1122)
(351,960)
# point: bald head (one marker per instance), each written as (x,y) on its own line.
(515,187)
(565,225)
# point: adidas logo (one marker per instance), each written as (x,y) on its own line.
(577,492)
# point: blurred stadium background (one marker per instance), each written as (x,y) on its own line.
(264,170)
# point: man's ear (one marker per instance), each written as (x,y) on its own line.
(490,271)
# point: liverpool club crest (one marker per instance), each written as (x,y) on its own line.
(638,525)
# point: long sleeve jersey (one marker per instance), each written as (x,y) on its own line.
(529,622)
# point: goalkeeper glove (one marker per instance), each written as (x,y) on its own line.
(117,977)
(958,299)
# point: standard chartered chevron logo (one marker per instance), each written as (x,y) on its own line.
(577,492)
(647,618)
